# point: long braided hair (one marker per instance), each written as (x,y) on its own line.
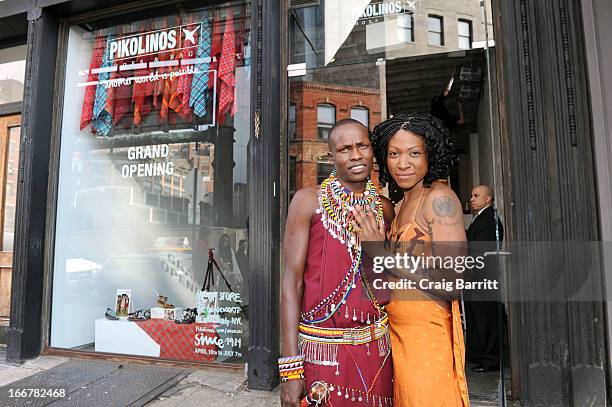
(437,145)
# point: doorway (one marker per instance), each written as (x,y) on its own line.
(10,129)
(370,60)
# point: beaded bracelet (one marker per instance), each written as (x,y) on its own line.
(291,368)
(290,360)
(292,377)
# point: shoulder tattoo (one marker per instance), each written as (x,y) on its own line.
(444,207)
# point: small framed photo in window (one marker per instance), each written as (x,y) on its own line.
(123,302)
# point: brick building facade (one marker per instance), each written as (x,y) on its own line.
(307,150)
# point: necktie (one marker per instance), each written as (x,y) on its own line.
(199,83)
(139,92)
(123,94)
(183,92)
(215,49)
(226,68)
(102,120)
(90,90)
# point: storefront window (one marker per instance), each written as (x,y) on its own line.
(151,241)
(12,74)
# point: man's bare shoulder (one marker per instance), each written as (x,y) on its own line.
(305,201)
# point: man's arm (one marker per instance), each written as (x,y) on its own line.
(295,248)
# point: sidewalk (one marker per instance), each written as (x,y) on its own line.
(207,386)
(210,387)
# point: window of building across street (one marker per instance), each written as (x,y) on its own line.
(326,117)
(361,114)
(435,30)
(464,30)
(151,249)
(12,74)
(405,27)
(292,113)
(323,170)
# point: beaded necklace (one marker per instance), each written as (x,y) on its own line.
(335,202)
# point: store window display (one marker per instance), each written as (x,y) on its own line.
(151,208)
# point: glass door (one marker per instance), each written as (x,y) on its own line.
(371,60)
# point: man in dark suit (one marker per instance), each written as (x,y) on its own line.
(481,309)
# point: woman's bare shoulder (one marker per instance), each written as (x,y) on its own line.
(441,201)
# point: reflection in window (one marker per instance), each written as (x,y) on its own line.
(326,118)
(292,113)
(323,171)
(12,74)
(435,30)
(464,30)
(361,114)
(292,176)
(10,191)
(405,27)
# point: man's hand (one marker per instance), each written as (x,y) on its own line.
(291,393)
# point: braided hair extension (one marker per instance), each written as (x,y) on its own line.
(437,144)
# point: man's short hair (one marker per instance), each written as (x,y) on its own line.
(342,123)
(488,191)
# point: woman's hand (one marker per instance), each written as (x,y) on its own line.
(366,226)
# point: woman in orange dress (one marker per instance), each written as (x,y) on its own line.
(414,153)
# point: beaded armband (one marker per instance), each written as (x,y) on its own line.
(291,368)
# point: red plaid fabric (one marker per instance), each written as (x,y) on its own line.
(167,85)
(215,49)
(90,91)
(227,65)
(158,89)
(123,96)
(178,341)
(139,94)
(170,87)
(180,103)
(175,101)
(139,90)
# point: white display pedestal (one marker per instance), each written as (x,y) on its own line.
(124,337)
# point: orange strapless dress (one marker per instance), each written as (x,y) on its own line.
(426,341)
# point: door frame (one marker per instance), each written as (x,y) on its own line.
(12,119)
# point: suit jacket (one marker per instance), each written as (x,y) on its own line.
(482,228)
(481,238)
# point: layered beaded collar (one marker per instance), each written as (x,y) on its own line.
(335,203)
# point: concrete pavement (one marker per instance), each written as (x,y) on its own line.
(211,386)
